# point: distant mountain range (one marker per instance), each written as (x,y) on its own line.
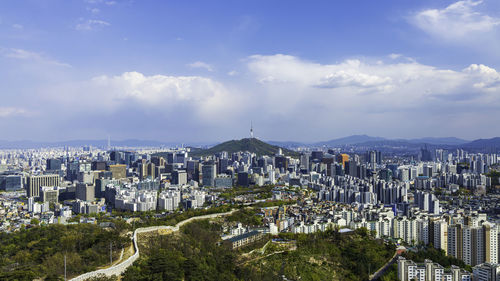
(365,139)
(270,147)
(95,143)
(488,145)
(348,140)
(369,142)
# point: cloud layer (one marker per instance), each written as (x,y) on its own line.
(286,97)
(358,95)
(459,21)
(11,111)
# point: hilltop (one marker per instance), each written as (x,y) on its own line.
(248,144)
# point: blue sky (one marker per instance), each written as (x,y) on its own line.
(203,70)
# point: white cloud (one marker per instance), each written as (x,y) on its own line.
(232,73)
(290,69)
(164,95)
(360,95)
(458,21)
(488,78)
(344,78)
(109,3)
(90,24)
(11,111)
(395,56)
(371,86)
(17,26)
(200,64)
(296,99)
(31,56)
(94,10)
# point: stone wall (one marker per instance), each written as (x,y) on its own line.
(118,269)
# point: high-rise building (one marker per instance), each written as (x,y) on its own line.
(158,161)
(49,194)
(85,192)
(54,164)
(490,242)
(425,155)
(455,241)
(35,182)
(281,162)
(304,161)
(317,155)
(118,171)
(98,165)
(151,170)
(486,272)
(193,170)
(438,232)
(11,182)
(243,179)
(342,158)
(179,177)
(208,171)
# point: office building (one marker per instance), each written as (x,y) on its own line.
(342,158)
(179,177)
(49,194)
(11,182)
(35,182)
(208,171)
(54,164)
(85,192)
(243,179)
(118,171)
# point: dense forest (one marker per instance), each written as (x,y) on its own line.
(40,251)
(195,253)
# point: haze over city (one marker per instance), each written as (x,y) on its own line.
(203,71)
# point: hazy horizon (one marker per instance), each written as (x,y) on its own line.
(228,139)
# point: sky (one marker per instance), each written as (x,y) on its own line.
(203,71)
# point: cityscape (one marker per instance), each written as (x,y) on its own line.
(258,140)
(444,199)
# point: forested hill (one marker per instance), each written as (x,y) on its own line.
(248,144)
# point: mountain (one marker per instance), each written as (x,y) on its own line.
(483,145)
(364,140)
(354,139)
(248,144)
(287,144)
(24,144)
(440,141)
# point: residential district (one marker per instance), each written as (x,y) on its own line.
(443,199)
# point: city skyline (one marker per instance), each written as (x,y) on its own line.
(194,72)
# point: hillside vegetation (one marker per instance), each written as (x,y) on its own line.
(195,253)
(248,144)
(39,252)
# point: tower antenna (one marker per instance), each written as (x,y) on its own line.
(251,129)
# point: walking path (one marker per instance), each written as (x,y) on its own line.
(118,269)
(386,266)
